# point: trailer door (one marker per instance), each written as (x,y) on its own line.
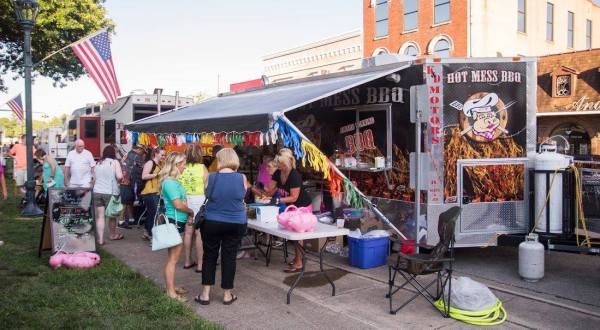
(89,132)
(482,216)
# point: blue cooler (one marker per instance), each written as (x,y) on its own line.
(369,252)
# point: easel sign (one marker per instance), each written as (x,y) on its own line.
(71,215)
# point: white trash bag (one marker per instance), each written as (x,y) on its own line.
(469,295)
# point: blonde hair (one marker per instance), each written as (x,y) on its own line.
(286,156)
(170,170)
(227,158)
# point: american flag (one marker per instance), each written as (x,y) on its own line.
(16,105)
(94,54)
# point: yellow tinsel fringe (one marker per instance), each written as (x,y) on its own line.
(315,158)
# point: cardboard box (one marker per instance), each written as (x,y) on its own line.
(316,244)
(370,224)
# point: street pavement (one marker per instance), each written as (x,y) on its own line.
(567,298)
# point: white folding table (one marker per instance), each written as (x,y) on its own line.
(329,232)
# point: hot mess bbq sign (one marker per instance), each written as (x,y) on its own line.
(359,141)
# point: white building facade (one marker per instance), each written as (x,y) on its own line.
(335,54)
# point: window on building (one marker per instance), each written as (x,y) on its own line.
(521,16)
(411,50)
(442,48)
(411,14)
(441,11)
(549,21)
(570,29)
(110,131)
(380,51)
(588,34)
(381,18)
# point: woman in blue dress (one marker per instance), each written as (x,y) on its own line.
(53,176)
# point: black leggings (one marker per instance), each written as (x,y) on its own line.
(227,237)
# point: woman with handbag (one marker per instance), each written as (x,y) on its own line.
(287,183)
(224,225)
(178,213)
(106,190)
(193,179)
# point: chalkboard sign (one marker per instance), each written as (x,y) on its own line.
(71,213)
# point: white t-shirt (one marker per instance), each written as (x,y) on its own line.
(80,165)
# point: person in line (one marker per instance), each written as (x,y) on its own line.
(224,226)
(178,213)
(213,165)
(193,179)
(132,179)
(106,176)
(287,184)
(53,175)
(150,187)
(79,167)
(3,183)
(265,175)
(19,154)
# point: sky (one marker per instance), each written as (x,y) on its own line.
(184,45)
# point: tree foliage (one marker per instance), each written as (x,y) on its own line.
(59,23)
(10,128)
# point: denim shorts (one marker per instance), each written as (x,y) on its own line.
(180,225)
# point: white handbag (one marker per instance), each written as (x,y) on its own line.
(164,235)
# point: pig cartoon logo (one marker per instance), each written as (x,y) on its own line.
(483,116)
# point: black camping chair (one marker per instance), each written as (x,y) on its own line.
(438,261)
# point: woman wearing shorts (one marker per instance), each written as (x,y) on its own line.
(106,175)
(178,213)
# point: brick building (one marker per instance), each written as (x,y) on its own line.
(479,28)
(568,99)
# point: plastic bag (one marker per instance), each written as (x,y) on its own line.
(376,234)
(469,295)
(355,233)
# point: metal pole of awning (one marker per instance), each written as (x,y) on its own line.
(377,212)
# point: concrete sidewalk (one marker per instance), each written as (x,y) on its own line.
(360,301)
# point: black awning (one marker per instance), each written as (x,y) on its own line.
(252,110)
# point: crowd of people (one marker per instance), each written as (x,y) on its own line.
(176,185)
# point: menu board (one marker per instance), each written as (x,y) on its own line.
(71,214)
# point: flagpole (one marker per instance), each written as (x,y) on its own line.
(69,45)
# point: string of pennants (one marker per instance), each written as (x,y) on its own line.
(309,154)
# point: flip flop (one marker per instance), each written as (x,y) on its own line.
(119,237)
(230,301)
(198,270)
(190,266)
(292,270)
(200,301)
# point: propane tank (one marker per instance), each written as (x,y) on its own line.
(531,259)
(549,160)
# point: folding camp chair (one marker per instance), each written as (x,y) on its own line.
(438,261)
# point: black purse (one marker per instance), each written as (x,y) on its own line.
(201,215)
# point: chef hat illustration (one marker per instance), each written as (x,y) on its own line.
(483,104)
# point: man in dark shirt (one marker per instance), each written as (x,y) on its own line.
(131,183)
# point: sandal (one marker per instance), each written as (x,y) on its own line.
(198,270)
(146,237)
(200,301)
(292,269)
(190,266)
(179,298)
(181,291)
(230,301)
(118,237)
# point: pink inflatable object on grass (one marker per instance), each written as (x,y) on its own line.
(298,219)
(81,260)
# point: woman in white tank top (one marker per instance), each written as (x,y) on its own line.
(106,175)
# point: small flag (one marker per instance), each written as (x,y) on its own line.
(16,105)
(94,54)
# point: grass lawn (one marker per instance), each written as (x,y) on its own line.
(109,296)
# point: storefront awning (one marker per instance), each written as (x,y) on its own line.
(252,110)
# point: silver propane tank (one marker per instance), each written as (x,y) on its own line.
(531,259)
